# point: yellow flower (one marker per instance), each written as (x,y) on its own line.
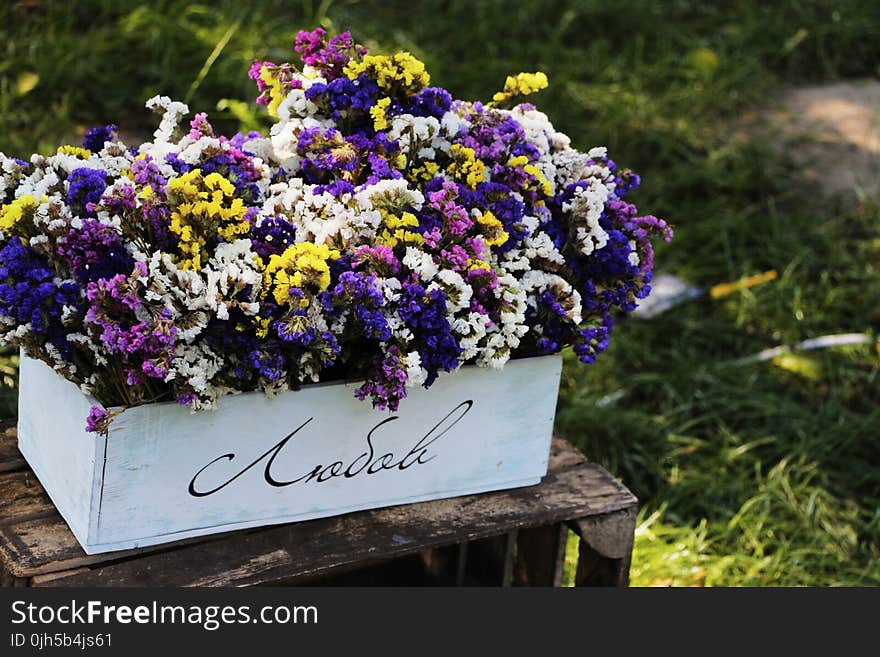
(522,161)
(12,213)
(392,238)
(84,153)
(425,171)
(277,92)
(407,219)
(394,230)
(546,185)
(204,208)
(522,84)
(262,326)
(377,111)
(399,72)
(473,263)
(303,264)
(465,165)
(493,230)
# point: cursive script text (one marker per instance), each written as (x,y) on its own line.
(365,463)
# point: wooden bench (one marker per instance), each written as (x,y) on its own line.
(514,537)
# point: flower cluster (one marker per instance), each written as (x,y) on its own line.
(383,232)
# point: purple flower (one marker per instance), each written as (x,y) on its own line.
(378,258)
(431,101)
(386,381)
(329,57)
(146,172)
(358,293)
(94,251)
(97,420)
(347,102)
(592,341)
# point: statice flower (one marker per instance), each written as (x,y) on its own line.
(96,137)
(97,420)
(34,303)
(94,251)
(272,236)
(386,384)
(85,188)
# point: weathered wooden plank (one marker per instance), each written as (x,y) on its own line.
(10,458)
(10,581)
(461,565)
(563,455)
(45,545)
(22,498)
(610,536)
(23,501)
(320,546)
(40,580)
(605,550)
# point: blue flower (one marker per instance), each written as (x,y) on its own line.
(425,315)
(30,295)
(85,187)
(96,137)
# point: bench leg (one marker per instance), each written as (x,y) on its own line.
(605,548)
(541,556)
(8,580)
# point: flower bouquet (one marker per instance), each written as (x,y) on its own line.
(383,234)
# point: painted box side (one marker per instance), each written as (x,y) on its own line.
(165,474)
(52,437)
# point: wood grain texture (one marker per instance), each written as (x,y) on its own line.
(611,536)
(318,547)
(11,459)
(35,540)
(44,545)
(563,455)
(22,498)
(605,549)
(37,546)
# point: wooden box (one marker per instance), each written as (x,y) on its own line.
(164,473)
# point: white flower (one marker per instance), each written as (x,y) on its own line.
(394,193)
(586,208)
(172,112)
(421,263)
(231,270)
(296,106)
(415,373)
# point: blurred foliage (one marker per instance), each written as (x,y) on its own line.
(749,474)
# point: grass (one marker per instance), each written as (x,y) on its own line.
(749,473)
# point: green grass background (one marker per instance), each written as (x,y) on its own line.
(749,474)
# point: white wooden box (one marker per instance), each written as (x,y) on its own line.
(165,474)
